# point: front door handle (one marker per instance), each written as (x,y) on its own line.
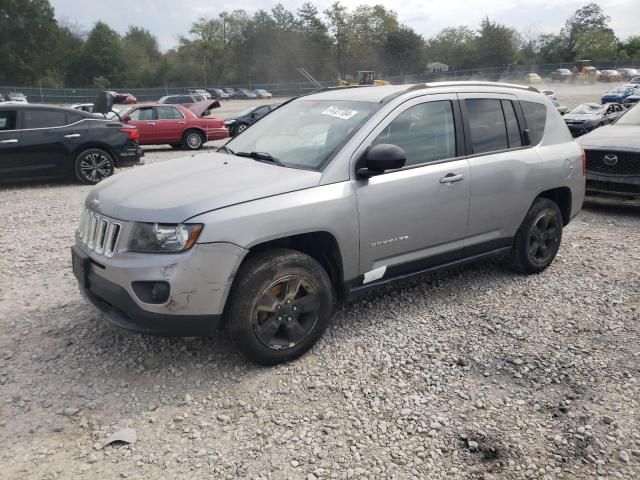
(452,178)
(152,124)
(182,123)
(11,140)
(72,135)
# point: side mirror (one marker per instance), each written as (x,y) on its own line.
(126,118)
(382,157)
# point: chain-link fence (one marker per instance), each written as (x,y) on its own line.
(505,73)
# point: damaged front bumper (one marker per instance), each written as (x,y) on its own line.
(199,282)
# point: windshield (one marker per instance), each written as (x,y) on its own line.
(631,117)
(304,133)
(588,109)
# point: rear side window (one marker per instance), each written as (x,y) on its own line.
(486,124)
(35,118)
(73,118)
(8,119)
(513,129)
(168,113)
(536,116)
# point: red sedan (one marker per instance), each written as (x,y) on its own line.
(177,125)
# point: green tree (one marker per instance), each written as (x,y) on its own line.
(589,17)
(454,46)
(338,28)
(102,56)
(143,57)
(404,51)
(554,48)
(315,44)
(632,46)
(28,29)
(496,44)
(596,44)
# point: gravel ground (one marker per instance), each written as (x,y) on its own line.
(476,373)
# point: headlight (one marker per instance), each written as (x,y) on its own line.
(229,122)
(163,238)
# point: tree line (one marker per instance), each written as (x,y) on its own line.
(269,46)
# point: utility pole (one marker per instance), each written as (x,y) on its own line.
(204,69)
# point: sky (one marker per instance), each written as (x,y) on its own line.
(168,19)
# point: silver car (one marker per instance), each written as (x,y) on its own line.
(328,196)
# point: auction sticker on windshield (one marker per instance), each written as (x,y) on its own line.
(340,112)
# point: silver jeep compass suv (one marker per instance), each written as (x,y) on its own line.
(325,197)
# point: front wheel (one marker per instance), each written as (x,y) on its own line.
(538,239)
(93,165)
(280,306)
(240,128)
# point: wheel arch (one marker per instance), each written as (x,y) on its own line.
(99,145)
(561,196)
(319,245)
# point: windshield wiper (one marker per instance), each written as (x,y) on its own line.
(226,149)
(261,156)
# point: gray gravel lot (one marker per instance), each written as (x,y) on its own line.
(477,373)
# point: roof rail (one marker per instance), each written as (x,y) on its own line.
(461,83)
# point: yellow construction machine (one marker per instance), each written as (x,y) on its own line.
(363,77)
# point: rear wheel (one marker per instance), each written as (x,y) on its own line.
(538,239)
(192,140)
(93,165)
(280,306)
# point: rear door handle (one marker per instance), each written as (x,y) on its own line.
(72,135)
(11,140)
(152,124)
(182,123)
(452,178)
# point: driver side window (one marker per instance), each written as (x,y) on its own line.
(426,132)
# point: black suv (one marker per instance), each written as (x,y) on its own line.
(42,141)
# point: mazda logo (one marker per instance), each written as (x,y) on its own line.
(610,159)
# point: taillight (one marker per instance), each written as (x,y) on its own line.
(134,134)
(584,161)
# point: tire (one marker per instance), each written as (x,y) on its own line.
(238,129)
(263,325)
(192,140)
(538,238)
(93,165)
(176,146)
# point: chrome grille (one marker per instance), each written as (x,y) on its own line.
(99,233)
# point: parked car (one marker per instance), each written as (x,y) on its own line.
(181,99)
(244,94)
(181,126)
(230,91)
(240,122)
(610,76)
(200,92)
(83,107)
(635,80)
(2,98)
(17,97)
(589,116)
(562,109)
(219,94)
(613,160)
(561,75)
(260,93)
(617,95)
(325,197)
(549,93)
(628,73)
(532,78)
(42,141)
(632,99)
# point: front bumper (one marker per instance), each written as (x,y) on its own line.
(613,189)
(199,280)
(217,133)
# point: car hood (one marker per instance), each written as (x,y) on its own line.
(176,190)
(615,137)
(581,116)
